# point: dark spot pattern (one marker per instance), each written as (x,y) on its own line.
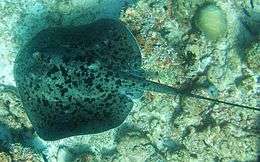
(79,93)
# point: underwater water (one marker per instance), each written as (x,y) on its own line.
(129,80)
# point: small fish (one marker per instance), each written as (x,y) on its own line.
(86,79)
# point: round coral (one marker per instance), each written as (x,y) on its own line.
(211,20)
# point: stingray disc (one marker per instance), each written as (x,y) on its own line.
(63,82)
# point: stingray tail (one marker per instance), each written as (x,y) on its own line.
(162,88)
(157,87)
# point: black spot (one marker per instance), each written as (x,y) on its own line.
(86,99)
(96,115)
(59,86)
(53,70)
(37,87)
(63,91)
(68,80)
(109,97)
(103,95)
(82,68)
(118,82)
(91,100)
(109,73)
(77,74)
(45,102)
(59,104)
(75,83)
(99,88)
(107,104)
(89,80)
(113,91)
(106,80)
(63,71)
(78,104)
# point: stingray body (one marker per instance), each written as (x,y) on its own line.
(77,80)
(67,81)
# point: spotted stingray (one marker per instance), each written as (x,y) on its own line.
(81,80)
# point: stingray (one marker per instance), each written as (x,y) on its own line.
(81,80)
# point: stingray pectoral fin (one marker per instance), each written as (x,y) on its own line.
(122,105)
